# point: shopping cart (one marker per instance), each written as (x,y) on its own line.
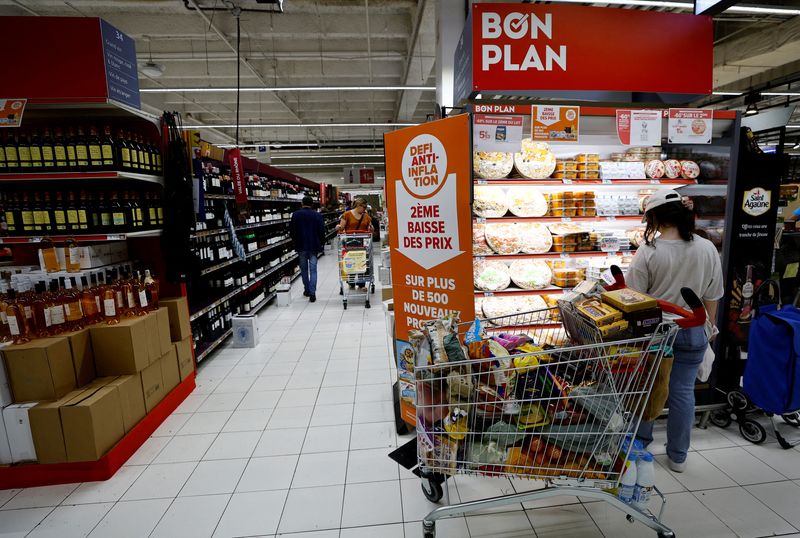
(564,412)
(355,266)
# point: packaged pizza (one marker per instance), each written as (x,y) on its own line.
(504,237)
(491,275)
(479,245)
(526,202)
(489,202)
(502,307)
(530,274)
(690,170)
(672,168)
(492,164)
(535,160)
(536,238)
(564,228)
(654,169)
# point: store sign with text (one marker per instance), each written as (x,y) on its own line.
(11,111)
(497,133)
(518,46)
(428,180)
(122,76)
(366,176)
(237,175)
(690,126)
(639,127)
(555,123)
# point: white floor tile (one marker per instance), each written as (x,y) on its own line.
(382,411)
(18,523)
(267,399)
(7,494)
(336,395)
(298,398)
(110,490)
(185,448)
(233,445)
(325,469)
(416,506)
(781,497)
(332,415)
(280,442)
(327,439)
(40,497)
(741,466)
(699,474)
(192,517)
(171,425)
(247,420)
(312,509)
(269,473)
(246,370)
(569,521)
(71,521)
(290,417)
(191,403)
(214,477)
(234,384)
(786,462)
(508,525)
(394,530)
(709,439)
(132,519)
(372,503)
(334,378)
(473,488)
(304,381)
(211,422)
(252,514)
(148,451)
(744,514)
(373,435)
(371,465)
(160,481)
(270,382)
(374,377)
(373,393)
(455,527)
(226,401)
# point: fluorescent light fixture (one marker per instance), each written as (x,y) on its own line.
(690,6)
(329,156)
(793,126)
(229,89)
(271,144)
(796,145)
(289,125)
(727,93)
(780,94)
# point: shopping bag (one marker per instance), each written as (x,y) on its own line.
(771,376)
(660,391)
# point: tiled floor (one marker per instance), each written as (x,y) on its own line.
(290,438)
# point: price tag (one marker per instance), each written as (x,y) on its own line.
(564,255)
(34,240)
(608,277)
(115,237)
(566,219)
(567,182)
(481,220)
(479,258)
(482,182)
(488,294)
(611,218)
(605,181)
(655,182)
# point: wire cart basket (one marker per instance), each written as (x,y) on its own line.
(564,411)
(356,268)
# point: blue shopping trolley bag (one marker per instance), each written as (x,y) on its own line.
(771,376)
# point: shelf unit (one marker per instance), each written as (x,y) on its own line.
(82,176)
(249,255)
(220,231)
(202,353)
(83,238)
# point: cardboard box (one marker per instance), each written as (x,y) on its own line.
(131,399)
(92,423)
(46,430)
(5,388)
(386,293)
(80,344)
(153,338)
(152,386)
(183,350)
(40,370)
(164,335)
(178,310)
(18,429)
(170,374)
(5,449)
(121,349)
(245,331)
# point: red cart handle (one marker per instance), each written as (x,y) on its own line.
(696,317)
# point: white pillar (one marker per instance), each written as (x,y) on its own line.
(450,18)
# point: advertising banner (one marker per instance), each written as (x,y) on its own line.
(428,196)
(555,123)
(690,126)
(366,176)
(520,46)
(237,176)
(497,133)
(639,127)
(11,111)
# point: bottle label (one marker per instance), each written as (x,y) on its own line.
(47,153)
(36,153)
(81,152)
(75,311)
(143,299)
(138,216)
(13,325)
(160,211)
(72,216)
(12,154)
(38,217)
(25,154)
(60,153)
(97,303)
(135,158)
(56,315)
(152,212)
(95,153)
(109,308)
(27,218)
(28,312)
(60,217)
(126,156)
(71,153)
(131,300)
(105,219)
(47,320)
(2,156)
(119,219)
(119,299)
(74,256)
(10,218)
(82,217)
(108,154)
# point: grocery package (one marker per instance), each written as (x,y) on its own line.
(489,202)
(504,237)
(535,160)
(491,164)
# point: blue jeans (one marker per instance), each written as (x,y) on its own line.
(308,271)
(689,348)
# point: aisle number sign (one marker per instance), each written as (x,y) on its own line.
(639,127)
(555,123)
(690,126)
(497,133)
(428,180)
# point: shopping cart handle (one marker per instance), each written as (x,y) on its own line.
(694,318)
(619,279)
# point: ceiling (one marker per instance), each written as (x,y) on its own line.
(346,43)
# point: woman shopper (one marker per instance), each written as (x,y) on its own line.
(677,258)
(357,219)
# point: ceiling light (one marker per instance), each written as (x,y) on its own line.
(229,89)
(152,69)
(793,126)
(751,110)
(734,94)
(290,125)
(796,145)
(690,6)
(328,156)
(779,94)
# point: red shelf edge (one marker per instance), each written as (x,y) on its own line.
(28,475)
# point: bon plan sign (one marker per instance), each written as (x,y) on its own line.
(428,198)
(522,47)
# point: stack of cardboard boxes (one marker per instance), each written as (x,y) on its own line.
(77,394)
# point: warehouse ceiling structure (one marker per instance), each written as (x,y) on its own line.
(324,80)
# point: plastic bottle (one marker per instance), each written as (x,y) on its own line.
(627,484)
(645,481)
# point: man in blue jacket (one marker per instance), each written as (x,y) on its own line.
(308,233)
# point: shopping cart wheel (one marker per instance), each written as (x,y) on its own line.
(434,491)
(666,535)
(737,400)
(721,418)
(792,419)
(372,288)
(753,431)
(344,304)
(428,531)
(366,305)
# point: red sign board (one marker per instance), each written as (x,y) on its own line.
(237,175)
(366,175)
(552,47)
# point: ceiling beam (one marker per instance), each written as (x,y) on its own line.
(420,59)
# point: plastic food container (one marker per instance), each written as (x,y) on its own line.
(583,167)
(568,277)
(565,248)
(588,158)
(589,175)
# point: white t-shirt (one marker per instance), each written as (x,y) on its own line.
(667,265)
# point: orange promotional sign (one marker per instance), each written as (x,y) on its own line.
(428,189)
(555,123)
(11,111)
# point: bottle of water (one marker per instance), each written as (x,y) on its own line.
(627,485)
(645,481)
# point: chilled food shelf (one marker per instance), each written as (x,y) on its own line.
(202,354)
(82,176)
(512,218)
(560,182)
(558,255)
(517,291)
(81,238)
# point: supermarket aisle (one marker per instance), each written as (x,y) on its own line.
(290,438)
